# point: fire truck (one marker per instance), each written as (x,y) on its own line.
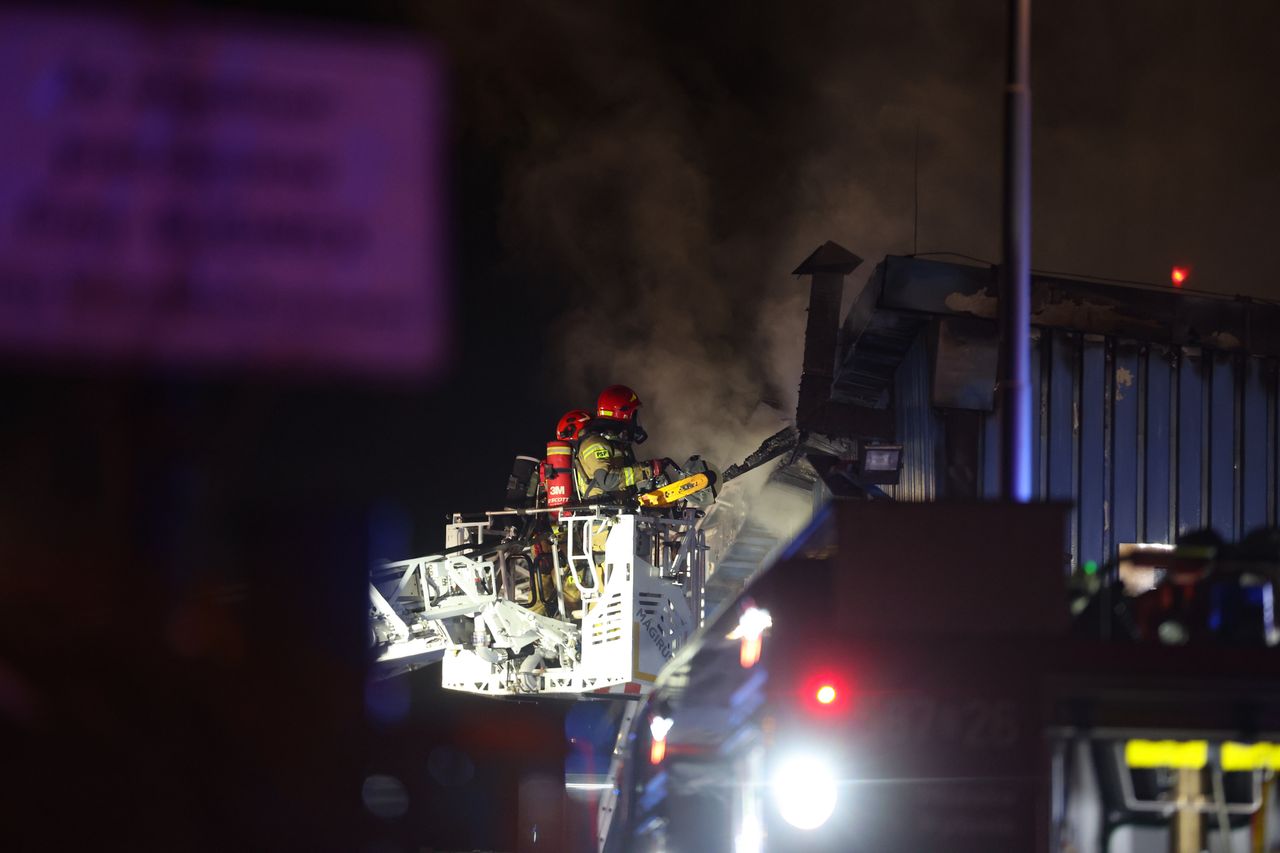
(911,677)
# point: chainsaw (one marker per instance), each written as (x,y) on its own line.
(700,482)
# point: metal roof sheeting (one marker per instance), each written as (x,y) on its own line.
(1149,441)
(1150,425)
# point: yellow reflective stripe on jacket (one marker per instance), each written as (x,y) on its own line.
(605,466)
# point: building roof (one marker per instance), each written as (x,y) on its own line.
(906,293)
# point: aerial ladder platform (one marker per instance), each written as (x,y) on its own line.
(576,599)
(583,601)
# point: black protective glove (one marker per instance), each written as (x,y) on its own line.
(698,465)
(669,471)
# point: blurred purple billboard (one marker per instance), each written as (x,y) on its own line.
(198,195)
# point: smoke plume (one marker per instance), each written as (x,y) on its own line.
(672,173)
(668,168)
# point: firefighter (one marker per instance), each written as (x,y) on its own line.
(557,473)
(570,426)
(558,488)
(605,465)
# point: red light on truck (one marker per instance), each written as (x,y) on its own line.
(1179,275)
(825,694)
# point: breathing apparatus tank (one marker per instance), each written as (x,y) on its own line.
(557,473)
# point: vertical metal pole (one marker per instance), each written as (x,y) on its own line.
(1188,826)
(1015,278)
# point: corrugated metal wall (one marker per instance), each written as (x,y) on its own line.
(919,428)
(1147,441)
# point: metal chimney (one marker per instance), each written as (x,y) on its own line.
(826,266)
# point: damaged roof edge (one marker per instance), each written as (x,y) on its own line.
(1160,316)
(860,312)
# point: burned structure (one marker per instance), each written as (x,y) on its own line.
(1124,710)
(823,453)
(1155,411)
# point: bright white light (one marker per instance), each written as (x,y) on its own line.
(750,839)
(804,789)
(659,726)
(751,624)
(882,458)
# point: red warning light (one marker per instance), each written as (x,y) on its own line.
(826,693)
(1179,275)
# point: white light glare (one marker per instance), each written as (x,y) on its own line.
(659,726)
(804,789)
(751,624)
(750,839)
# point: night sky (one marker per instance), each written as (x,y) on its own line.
(630,186)
(633,184)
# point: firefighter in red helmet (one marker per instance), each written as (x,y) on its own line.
(557,471)
(570,426)
(605,464)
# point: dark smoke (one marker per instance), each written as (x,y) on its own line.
(668,165)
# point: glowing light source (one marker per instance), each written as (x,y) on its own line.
(749,632)
(749,840)
(752,623)
(658,728)
(826,692)
(1179,275)
(804,790)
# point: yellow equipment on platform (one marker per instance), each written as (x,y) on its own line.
(1195,754)
(673,492)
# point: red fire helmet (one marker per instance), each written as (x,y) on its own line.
(571,424)
(618,403)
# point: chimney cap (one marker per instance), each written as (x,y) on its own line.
(829,258)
